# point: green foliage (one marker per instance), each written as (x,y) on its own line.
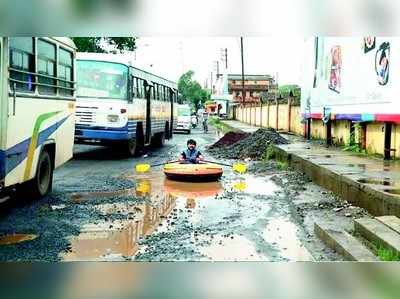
(281,165)
(94,44)
(191,90)
(268,154)
(285,90)
(387,255)
(353,145)
(220,126)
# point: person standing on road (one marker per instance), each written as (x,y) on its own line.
(191,154)
(205,121)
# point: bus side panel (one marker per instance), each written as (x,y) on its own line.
(35,122)
(65,133)
(156,119)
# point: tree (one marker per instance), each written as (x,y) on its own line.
(192,90)
(96,44)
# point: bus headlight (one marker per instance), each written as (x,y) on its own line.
(112,118)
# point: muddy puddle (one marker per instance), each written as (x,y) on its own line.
(380,181)
(213,221)
(282,234)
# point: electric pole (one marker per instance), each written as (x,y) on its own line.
(241,53)
(224,57)
(216,68)
(212,89)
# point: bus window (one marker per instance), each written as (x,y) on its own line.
(46,67)
(134,87)
(22,58)
(165,93)
(153,91)
(161,93)
(65,72)
(141,89)
(102,80)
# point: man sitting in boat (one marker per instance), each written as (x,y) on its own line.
(191,154)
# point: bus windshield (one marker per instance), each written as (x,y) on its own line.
(183,112)
(97,79)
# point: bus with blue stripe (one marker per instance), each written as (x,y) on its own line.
(121,106)
(37,111)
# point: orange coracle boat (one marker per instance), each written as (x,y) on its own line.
(204,172)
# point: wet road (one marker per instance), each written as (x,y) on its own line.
(101,209)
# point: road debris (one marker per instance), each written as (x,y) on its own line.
(253,146)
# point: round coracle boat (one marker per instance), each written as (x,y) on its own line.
(202,172)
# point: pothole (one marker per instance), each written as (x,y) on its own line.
(16,238)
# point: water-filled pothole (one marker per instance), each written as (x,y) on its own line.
(393,191)
(16,238)
(383,181)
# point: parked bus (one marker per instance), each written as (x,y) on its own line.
(120,105)
(37,105)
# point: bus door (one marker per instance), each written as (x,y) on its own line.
(3,114)
(148,111)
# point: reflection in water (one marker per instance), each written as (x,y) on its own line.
(254,185)
(236,248)
(192,190)
(119,238)
(190,203)
(393,191)
(106,240)
(379,181)
(16,238)
(283,235)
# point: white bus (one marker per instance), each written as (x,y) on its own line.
(118,104)
(37,105)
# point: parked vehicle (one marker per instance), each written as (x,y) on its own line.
(184,120)
(37,103)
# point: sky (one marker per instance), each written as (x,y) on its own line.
(171,57)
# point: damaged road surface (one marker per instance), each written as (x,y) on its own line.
(101,209)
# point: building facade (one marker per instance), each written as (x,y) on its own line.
(257,88)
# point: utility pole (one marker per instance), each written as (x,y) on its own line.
(241,53)
(224,57)
(212,89)
(216,68)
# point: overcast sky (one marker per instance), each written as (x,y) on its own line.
(170,57)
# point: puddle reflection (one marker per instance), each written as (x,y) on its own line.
(118,239)
(16,238)
(283,235)
(253,185)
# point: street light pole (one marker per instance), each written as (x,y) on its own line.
(241,53)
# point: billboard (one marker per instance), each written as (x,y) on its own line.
(354,78)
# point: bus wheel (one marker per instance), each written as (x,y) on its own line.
(42,182)
(131,147)
(158,140)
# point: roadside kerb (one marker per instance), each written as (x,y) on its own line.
(343,243)
(372,198)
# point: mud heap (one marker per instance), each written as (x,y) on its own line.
(253,146)
(228,139)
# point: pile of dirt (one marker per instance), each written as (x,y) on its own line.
(229,139)
(253,146)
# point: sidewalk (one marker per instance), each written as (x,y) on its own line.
(368,182)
